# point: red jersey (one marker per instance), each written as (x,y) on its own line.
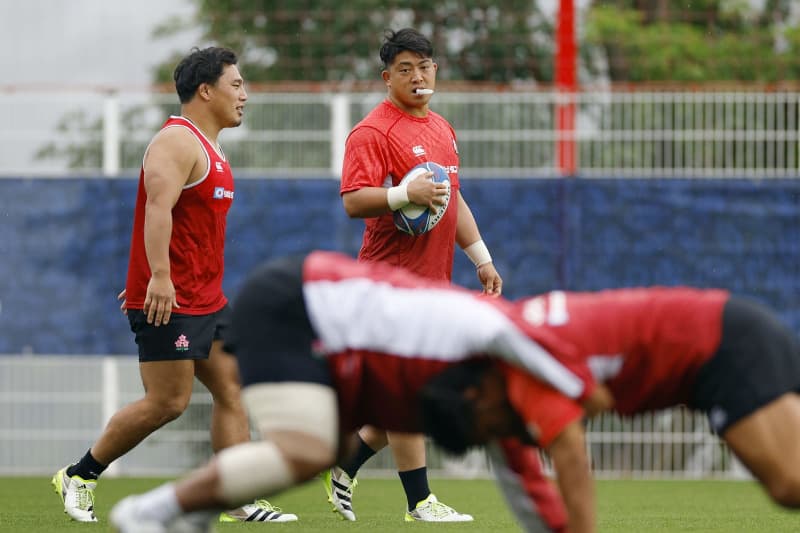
(196,248)
(645,344)
(408,329)
(380,150)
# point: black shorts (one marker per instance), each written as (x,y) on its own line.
(184,337)
(270,333)
(758,360)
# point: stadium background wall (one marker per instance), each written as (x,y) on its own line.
(64,243)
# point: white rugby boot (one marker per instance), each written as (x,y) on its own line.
(77,495)
(340,487)
(432,510)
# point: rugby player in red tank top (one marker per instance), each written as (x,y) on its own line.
(173,296)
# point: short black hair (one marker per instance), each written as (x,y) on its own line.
(407,39)
(448,417)
(201,66)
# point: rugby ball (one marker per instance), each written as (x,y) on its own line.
(417,219)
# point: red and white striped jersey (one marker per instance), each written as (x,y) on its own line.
(407,329)
(645,344)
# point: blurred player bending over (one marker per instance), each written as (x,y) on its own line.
(326,344)
(652,348)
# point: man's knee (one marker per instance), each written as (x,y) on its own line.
(164,410)
(784,488)
(251,470)
(301,419)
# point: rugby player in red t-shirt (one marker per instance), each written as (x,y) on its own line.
(398,134)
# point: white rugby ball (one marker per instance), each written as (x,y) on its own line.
(417,219)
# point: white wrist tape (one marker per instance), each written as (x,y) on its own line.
(478,253)
(397,197)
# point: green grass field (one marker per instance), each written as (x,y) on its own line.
(30,506)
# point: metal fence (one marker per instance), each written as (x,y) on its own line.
(52,408)
(501,134)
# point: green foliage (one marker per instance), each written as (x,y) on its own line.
(327,40)
(705,40)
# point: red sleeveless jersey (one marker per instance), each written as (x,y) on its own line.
(380,150)
(196,249)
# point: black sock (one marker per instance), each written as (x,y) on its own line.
(362,456)
(87,467)
(415,483)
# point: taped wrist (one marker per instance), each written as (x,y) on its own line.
(478,253)
(397,197)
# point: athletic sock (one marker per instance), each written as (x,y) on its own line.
(87,467)
(160,504)
(415,483)
(362,456)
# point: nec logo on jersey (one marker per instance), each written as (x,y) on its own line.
(221,192)
(219,167)
(418,150)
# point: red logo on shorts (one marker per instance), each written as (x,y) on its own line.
(182,344)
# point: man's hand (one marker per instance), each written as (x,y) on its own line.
(422,190)
(490,280)
(123,306)
(160,300)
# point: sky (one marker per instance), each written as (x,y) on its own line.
(86,42)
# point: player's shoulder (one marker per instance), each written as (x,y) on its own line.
(175,143)
(175,133)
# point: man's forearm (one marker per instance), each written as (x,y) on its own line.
(574,477)
(157,235)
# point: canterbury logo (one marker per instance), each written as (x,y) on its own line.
(418,150)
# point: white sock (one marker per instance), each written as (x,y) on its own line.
(160,504)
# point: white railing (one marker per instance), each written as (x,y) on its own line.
(501,134)
(52,408)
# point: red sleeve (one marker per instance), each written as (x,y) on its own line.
(365,163)
(540,405)
(532,497)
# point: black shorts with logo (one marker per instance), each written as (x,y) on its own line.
(270,333)
(184,337)
(758,360)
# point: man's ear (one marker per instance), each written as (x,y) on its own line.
(204,91)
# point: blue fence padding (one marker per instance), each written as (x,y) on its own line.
(64,243)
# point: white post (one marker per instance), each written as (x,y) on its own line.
(111,137)
(340,127)
(110,399)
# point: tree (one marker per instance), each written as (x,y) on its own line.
(327,40)
(698,41)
